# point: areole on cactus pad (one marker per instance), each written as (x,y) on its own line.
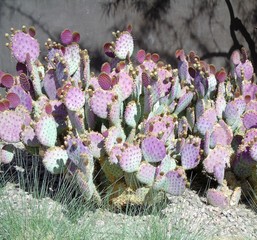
(143,122)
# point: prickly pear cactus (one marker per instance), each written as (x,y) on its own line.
(143,122)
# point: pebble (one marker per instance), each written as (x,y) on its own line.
(188,211)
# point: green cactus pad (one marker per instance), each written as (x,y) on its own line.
(55,159)
(115,135)
(114,113)
(96,144)
(167,164)
(184,102)
(6,153)
(146,173)
(130,115)
(231,113)
(72,57)
(46,130)
(28,137)
(112,171)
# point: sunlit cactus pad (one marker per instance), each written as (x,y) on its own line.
(139,125)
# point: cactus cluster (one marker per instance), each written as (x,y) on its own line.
(143,122)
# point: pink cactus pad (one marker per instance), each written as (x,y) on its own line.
(190,155)
(75,37)
(217,160)
(235,57)
(130,158)
(105,81)
(23,44)
(146,173)
(25,98)
(146,79)
(253,151)
(76,148)
(106,67)
(74,99)
(163,125)
(99,102)
(66,36)
(217,198)
(250,119)
(206,121)
(173,182)
(141,56)
(114,113)
(115,153)
(7,80)
(125,84)
(124,45)
(13,99)
(24,82)
(153,149)
(246,69)
(222,134)
(29,138)
(50,84)
(10,126)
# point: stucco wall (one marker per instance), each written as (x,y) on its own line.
(202,26)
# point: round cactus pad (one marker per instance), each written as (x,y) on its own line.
(250,119)
(173,182)
(10,126)
(74,99)
(105,81)
(217,160)
(153,149)
(146,173)
(131,114)
(23,44)
(217,198)
(190,155)
(206,121)
(6,153)
(100,101)
(55,159)
(46,131)
(130,159)
(124,45)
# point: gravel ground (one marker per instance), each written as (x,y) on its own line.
(188,211)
